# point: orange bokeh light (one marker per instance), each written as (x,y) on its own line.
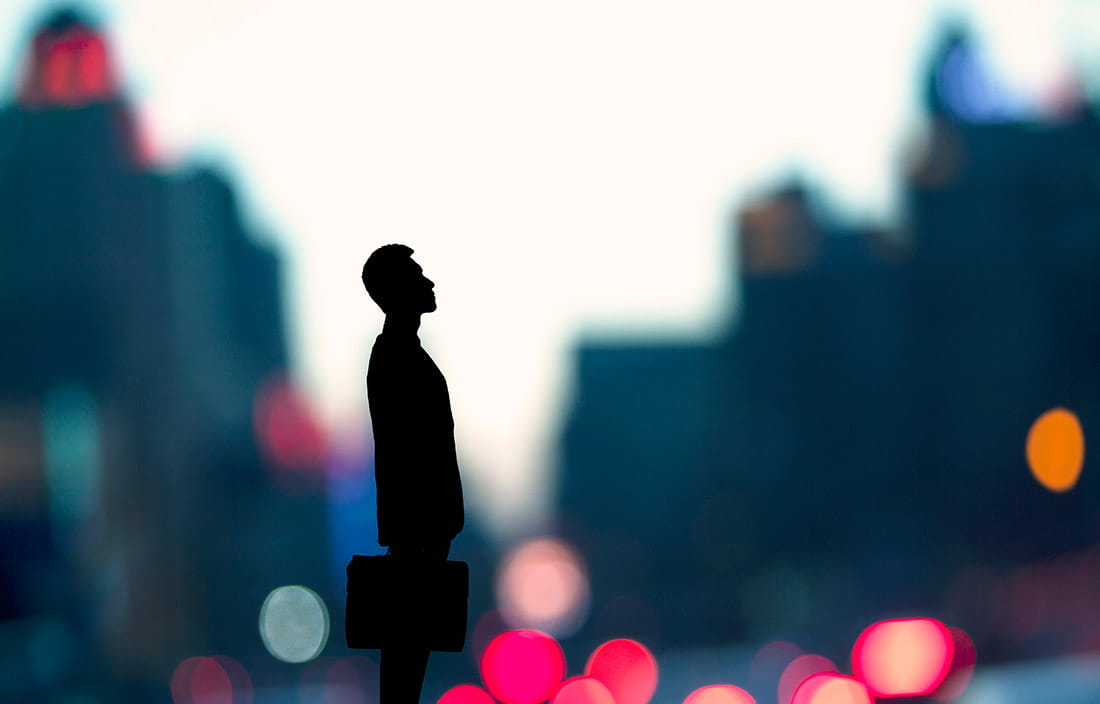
(522,667)
(719,694)
(626,668)
(1056,449)
(829,688)
(583,690)
(903,657)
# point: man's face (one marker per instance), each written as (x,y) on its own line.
(417,295)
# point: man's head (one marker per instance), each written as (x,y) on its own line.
(397,283)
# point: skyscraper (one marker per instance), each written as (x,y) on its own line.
(141,318)
(855,439)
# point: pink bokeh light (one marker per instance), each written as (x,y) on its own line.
(522,667)
(831,688)
(583,690)
(719,694)
(542,583)
(286,428)
(210,680)
(466,694)
(626,668)
(903,657)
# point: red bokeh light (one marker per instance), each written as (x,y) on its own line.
(466,694)
(68,68)
(719,694)
(522,667)
(238,678)
(57,73)
(286,429)
(961,669)
(626,668)
(180,684)
(903,657)
(583,690)
(92,75)
(798,671)
(210,680)
(829,688)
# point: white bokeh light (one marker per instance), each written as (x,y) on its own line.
(294,624)
(542,583)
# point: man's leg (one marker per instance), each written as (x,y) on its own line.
(402,669)
(402,675)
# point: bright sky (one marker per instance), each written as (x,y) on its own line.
(550,163)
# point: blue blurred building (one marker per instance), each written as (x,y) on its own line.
(138,521)
(852,447)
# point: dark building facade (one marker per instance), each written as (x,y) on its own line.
(852,448)
(140,317)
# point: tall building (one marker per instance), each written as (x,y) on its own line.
(853,446)
(140,319)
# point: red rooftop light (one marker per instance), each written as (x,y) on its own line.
(68,66)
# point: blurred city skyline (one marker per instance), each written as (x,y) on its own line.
(782,406)
(500,142)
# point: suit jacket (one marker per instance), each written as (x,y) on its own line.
(415,465)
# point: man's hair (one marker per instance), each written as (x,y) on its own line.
(381,271)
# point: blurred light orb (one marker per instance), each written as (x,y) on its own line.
(345,683)
(488,626)
(180,683)
(768,663)
(294,624)
(961,669)
(626,668)
(1056,449)
(239,679)
(542,584)
(522,667)
(466,694)
(210,680)
(210,683)
(798,671)
(719,694)
(583,690)
(344,680)
(829,688)
(286,428)
(903,657)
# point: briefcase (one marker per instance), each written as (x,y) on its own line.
(406,602)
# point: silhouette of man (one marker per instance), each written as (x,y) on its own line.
(420,508)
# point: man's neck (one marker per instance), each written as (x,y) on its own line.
(401,325)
